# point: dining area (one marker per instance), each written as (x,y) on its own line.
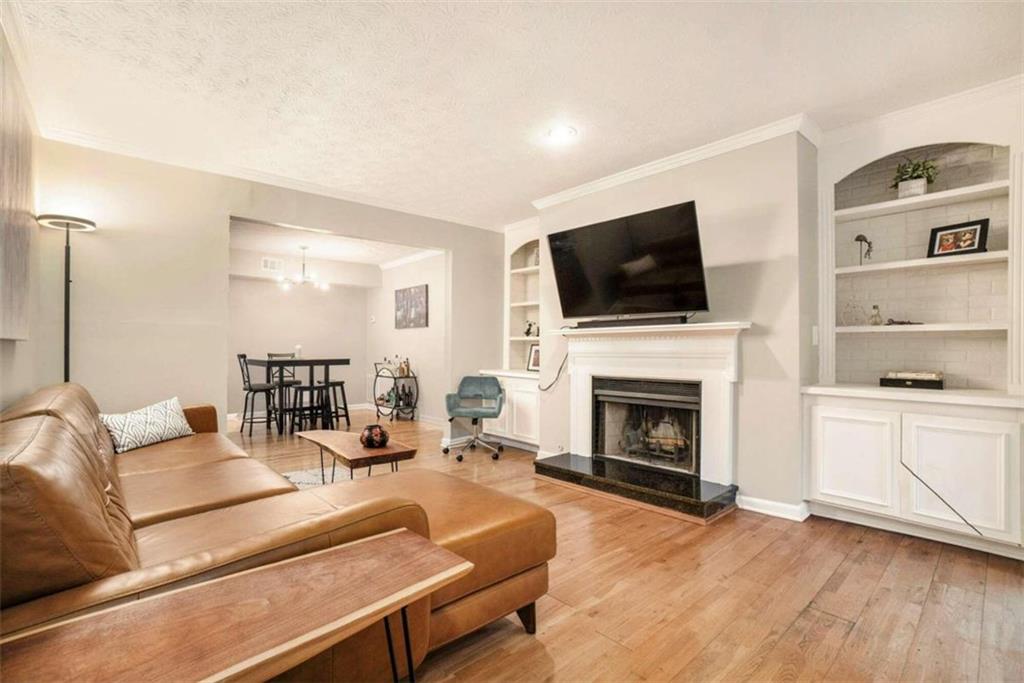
(295,393)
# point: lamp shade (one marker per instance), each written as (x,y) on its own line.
(57,222)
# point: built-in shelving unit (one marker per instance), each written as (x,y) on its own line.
(931,327)
(943,262)
(925,201)
(523,301)
(962,302)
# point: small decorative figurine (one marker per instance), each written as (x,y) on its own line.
(876,316)
(531,329)
(374,436)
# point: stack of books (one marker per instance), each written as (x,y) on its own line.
(912,380)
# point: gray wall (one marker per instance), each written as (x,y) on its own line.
(18,236)
(757,231)
(151,285)
(423,346)
(264,319)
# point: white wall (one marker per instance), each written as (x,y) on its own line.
(423,346)
(264,319)
(247,263)
(150,301)
(756,220)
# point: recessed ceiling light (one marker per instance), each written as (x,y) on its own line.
(562,135)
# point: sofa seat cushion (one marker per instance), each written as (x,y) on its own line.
(169,494)
(501,535)
(188,451)
(220,529)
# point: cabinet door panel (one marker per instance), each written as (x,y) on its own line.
(499,425)
(525,410)
(853,455)
(971,466)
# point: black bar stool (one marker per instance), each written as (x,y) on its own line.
(305,412)
(335,409)
(251,392)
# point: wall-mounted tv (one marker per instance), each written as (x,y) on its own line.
(647,263)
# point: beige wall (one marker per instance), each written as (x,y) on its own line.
(151,285)
(247,263)
(423,346)
(18,236)
(755,223)
(264,319)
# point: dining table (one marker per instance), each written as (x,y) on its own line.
(276,370)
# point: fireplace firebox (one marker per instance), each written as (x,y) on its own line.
(649,422)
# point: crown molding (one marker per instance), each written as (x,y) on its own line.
(974,97)
(800,123)
(411,258)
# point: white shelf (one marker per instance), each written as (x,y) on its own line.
(518,374)
(929,327)
(954,196)
(975,397)
(524,339)
(525,271)
(524,304)
(938,262)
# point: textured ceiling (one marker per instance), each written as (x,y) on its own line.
(271,239)
(441,109)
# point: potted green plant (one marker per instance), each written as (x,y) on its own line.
(913,177)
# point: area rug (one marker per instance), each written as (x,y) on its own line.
(308,479)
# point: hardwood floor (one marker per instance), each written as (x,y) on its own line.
(636,595)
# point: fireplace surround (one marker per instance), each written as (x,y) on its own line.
(652,414)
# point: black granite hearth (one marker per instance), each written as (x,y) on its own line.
(655,486)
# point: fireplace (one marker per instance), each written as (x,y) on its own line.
(649,422)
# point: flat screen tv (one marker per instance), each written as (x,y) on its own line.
(647,263)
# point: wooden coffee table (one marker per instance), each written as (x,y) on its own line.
(345,448)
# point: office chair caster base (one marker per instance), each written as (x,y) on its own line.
(501,448)
(459,457)
(445,450)
(494,456)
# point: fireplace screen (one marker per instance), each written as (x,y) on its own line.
(647,421)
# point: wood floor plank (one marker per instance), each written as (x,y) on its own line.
(806,650)
(1001,656)
(946,644)
(639,596)
(877,647)
(851,586)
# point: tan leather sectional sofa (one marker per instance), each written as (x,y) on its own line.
(84,529)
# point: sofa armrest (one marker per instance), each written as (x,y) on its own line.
(202,419)
(332,528)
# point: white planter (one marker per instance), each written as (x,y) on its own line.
(912,188)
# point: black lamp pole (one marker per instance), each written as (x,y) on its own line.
(67,304)
(68,224)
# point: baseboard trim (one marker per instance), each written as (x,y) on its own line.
(1015,552)
(514,443)
(797,513)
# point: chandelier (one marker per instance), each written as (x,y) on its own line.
(305,278)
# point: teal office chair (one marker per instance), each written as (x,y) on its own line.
(477,390)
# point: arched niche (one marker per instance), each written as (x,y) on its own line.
(961,164)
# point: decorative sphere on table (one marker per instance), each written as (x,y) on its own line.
(373,436)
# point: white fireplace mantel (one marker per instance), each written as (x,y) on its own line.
(701,352)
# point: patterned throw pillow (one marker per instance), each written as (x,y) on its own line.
(145,426)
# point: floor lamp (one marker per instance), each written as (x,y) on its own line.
(68,224)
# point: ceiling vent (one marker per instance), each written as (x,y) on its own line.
(269,264)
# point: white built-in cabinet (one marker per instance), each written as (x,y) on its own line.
(951,467)
(519,422)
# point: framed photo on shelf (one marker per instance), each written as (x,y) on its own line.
(962,238)
(533,358)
